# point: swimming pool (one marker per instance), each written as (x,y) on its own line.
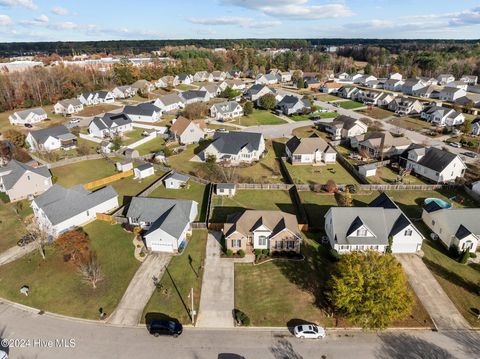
(440,202)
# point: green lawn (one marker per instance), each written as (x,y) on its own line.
(12,227)
(350,105)
(461,282)
(317,205)
(83,172)
(153,146)
(326,97)
(259,117)
(185,87)
(409,123)
(132,136)
(250,199)
(377,113)
(195,191)
(129,187)
(55,156)
(97,109)
(385,175)
(320,174)
(53,119)
(171,299)
(55,285)
(308,131)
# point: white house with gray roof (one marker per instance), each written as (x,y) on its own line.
(370,228)
(110,125)
(175,180)
(457,227)
(309,151)
(68,107)
(451,94)
(94,98)
(170,102)
(20,180)
(30,116)
(226,110)
(143,112)
(193,96)
(256,91)
(51,139)
(124,91)
(61,209)
(442,116)
(268,79)
(291,105)
(166,223)
(236,147)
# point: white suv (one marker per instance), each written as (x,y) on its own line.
(309,331)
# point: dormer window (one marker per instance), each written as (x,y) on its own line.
(408,232)
(362,232)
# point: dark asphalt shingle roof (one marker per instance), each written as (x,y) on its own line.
(436,159)
(42,135)
(232,142)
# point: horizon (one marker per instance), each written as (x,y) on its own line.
(47,21)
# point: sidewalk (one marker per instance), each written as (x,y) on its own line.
(16,252)
(217,298)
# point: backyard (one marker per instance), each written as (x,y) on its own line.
(129,187)
(376,113)
(171,299)
(350,105)
(223,206)
(53,119)
(326,97)
(89,111)
(83,172)
(55,285)
(155,145)
(258,118)
(386,175)
(12,227)
(306,174)
(409,123)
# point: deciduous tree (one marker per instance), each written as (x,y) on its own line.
(248,108)
(90,271)
(75,246)
(268,101)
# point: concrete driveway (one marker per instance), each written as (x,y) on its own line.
(441,309)
(130,309)
(16,252)
(217,298)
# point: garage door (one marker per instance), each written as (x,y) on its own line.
(405,247)
(161,247)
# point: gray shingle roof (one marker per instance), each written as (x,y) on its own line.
(170,99)
(42,135)
(232,142)
(143,109)
(17,169)
(60,203)
(178,177)
(225,185)
(226,107)
(38,111)
(72,101)
(144,167)
(436,159)
(192,94)
(107,121)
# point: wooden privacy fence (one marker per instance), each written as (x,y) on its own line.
(106,218)
(104,181)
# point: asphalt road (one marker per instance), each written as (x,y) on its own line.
(32,335)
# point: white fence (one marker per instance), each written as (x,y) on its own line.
(148,138)
(160,129)
(90,138)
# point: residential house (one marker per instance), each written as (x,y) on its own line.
(380,144)
(30,116)
(455,227)
(291,105)
(166,223)
(430,91)
(212,89)
(270,230)
(348,92)
(169,103)
(434,164)
(311,150)
(469,79)
(219,75)
(106,147)
(362,80)
(385,99)
(284,76)
(51,139)
(369,228)
(444,79)
(202,76)
(331,87)
(143,171)
(344,127)
(375,84)
(412,85)
(236,84)
(61,209)
(257,91)
(68,107)
(266,79)
(21,180)
(342,77)
(451,94)
(143,86)
(225,189)
(143,112)
(226,110)
(193,96)
(169,81)
(405,106)
(236,147)
(458,85)
(175,180)
(393,84)
(368,170)
(368,97)
(311,83)
(476,187)
(184,79)
(186,131)
(395,76)
(110,125)
(442,116)
(476,127)
(94,98)
(222,85)
(124,91)
(161,83)
(234,74)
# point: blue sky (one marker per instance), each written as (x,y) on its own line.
(50,20)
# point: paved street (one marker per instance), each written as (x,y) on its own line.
(99,341)
(139,291)
(217,298)
(276,131)
(441,309)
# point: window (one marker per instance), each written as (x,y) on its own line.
(408,232)
(28,178)
(467,245)
(236,243)
(290,244)
(262,241)
(433,222)
(278,245)
(88,213)
(361,232)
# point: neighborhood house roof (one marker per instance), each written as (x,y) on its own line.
(181,124)
(14,170)
(170,99)
(73,102)
(144,167)
(191,94)
(143,109)
(110,119)
(59,132)
(233,142)
(226,107)
(24,114)
(436,159)
(225,185)
(290,101)
(300,146)
(178,177)
(458,221)
(60,203)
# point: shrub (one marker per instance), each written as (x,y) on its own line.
(265,252)
(258,252)
(241,318)
(473,255)
(241,253)
(334,254)
(229,253)
(464,256)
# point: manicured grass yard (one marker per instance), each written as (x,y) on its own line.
(55,285)
(97,109)
(132,136)
(83,172)
(409,123)
(350,105)
(320,174)
(53,119)
(185,87)
(317,205)
(308,131)
(388,176)
(377,113)
(223,206)
(129,187)
(12,227)
(195,191)
(153,146)
(171,300)
(259,117)
(326,97)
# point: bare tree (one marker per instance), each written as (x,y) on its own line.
(90,271)
(38,234)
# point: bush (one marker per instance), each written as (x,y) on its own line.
(334,254)
(464,256)
(241,253)
(241,318)
(229,253)
(265,252)
(473,255)
(258,252)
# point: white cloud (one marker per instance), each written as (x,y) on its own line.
(65,25)
(293,9)
(234,20)
(41,20)
(21,3)
(5,20)
(58,10)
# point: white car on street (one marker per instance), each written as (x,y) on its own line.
(309,331)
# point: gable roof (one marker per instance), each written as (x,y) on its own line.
(181,124)
(191,94)
(177,177)
(308,145)
(109,119)
(60,203)
(345,122)
(233,142)
(437,159)
(170,99)
(72,101)
(42,135)
(142,109)
(453,219)
(24,114)
(226,107)
(14,170)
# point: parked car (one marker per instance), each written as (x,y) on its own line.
(455,144)
(470,154)
(26,239)
(309,331)
(74,121)
(27,125)
(165,327)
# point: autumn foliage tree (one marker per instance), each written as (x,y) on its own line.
(74,245)
(195,111)
(370,289)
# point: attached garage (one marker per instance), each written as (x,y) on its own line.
(157,246)
(401,246)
